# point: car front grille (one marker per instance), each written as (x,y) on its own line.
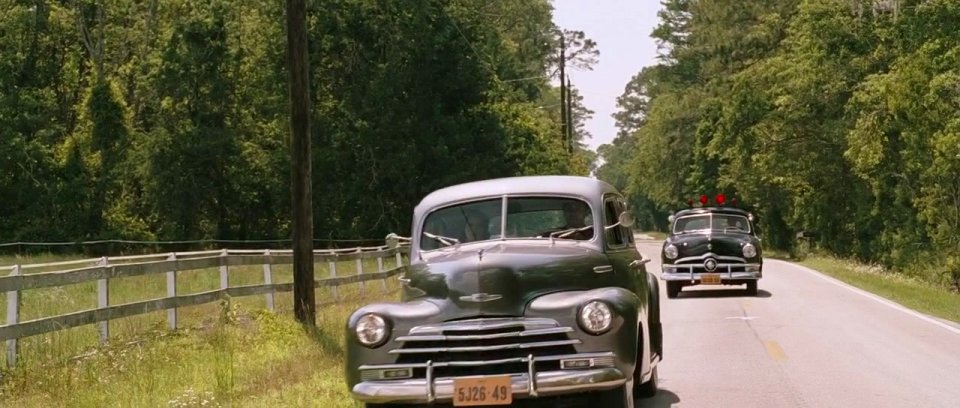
(485,346)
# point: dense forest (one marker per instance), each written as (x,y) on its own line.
(839,118)
(160,120)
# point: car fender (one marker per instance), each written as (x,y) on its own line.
(628,323)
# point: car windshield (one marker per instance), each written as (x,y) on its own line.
(527,217)
(711,222)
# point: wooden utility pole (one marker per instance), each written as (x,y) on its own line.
(563,89)
(304,305)
(569,103)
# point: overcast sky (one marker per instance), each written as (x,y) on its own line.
(622,30)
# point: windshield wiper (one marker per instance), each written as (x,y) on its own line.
(567,232)
(442,239)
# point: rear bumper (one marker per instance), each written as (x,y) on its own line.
(545,383)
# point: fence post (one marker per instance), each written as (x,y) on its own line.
(103,301)
(380,270)
(363,284)
(268,278)
(172,291)
(13,317)
(333,274)
(224,282)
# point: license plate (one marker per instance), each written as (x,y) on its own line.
(482,391)
(710,278)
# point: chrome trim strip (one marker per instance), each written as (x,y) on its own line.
(485,324)
(685,267)
(605,361)
(711,255)
(525,333)
(514,346)
(609,355)
(532,377)
(602,269)
(431,396)
(480,297)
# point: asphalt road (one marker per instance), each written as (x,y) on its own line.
(805,340)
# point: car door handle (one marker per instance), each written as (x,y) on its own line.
(638,262)
(405,281)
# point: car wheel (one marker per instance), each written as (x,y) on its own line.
(752,288)
(621,396)
(649,388)
(673,289)
(643,389)
(656,327)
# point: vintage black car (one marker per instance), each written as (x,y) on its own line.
(518,288)
(711,245)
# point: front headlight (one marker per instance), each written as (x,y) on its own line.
(749,251)
(371,330)
(595,317)
(670,252)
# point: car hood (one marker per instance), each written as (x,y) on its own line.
(717,243)
(499,279)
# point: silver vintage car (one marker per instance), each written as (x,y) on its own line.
(519,289)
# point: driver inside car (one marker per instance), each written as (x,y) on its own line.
(577,215)
(477,227)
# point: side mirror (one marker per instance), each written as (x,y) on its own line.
(394,240)
(626,219)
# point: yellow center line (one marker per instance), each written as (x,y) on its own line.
(775,352)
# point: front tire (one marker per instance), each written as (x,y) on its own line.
(656,327)
(752,288)
(643,389)
(649,388)
(620,397)
(673,289)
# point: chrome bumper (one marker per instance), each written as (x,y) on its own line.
(429,389)
(689,272)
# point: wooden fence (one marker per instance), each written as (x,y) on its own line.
(102,270)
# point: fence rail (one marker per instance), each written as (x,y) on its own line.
(102,270)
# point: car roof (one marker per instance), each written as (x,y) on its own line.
(705,210)
(589,188)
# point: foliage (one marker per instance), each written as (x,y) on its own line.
(146,119)
(832,116)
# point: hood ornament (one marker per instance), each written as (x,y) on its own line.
(480,298)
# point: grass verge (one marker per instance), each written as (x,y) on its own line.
(244,357)
(918,295)
(64,344)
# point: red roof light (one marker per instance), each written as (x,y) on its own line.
(704,199)
(721,199)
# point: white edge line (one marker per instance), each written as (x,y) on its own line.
(877,298)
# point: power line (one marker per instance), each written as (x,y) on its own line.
(526,79)
(467,40)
